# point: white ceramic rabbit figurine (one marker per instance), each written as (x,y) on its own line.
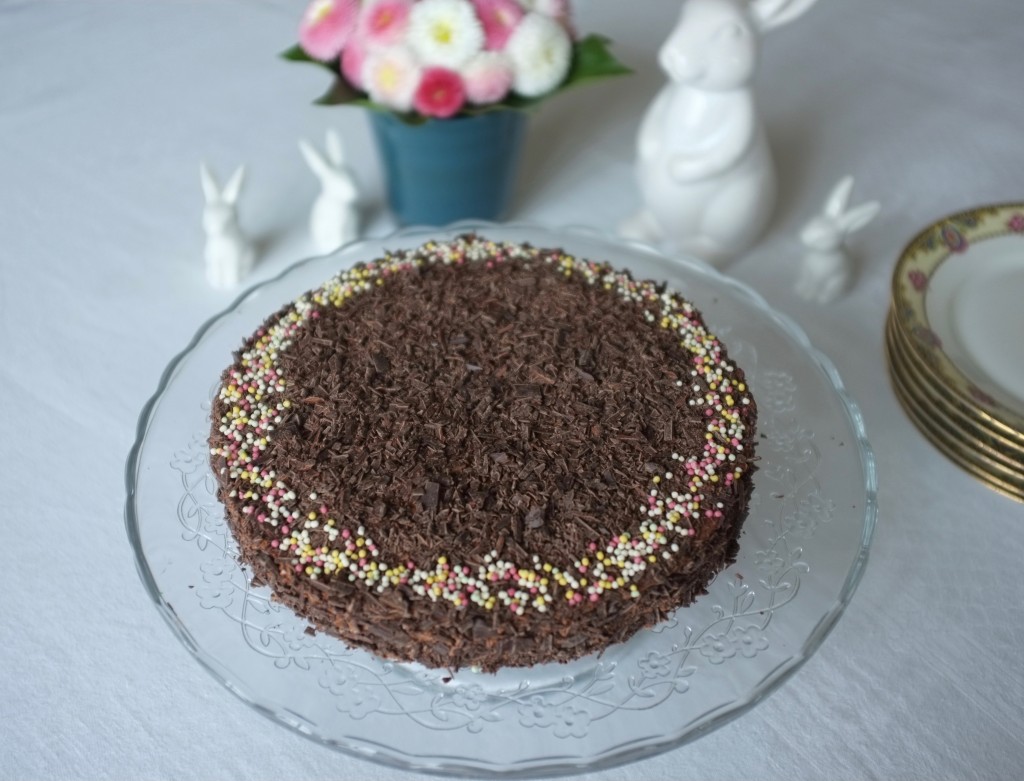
(229,256)
(334,220)
(703,162)
(827,269)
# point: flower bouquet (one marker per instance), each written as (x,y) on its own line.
(475,64)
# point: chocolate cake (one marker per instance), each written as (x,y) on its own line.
(484,454)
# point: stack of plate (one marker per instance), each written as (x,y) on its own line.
(955,341)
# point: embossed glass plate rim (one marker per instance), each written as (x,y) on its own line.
(551,766)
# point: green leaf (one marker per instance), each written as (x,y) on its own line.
(297,54)
(592,60)
(340,92)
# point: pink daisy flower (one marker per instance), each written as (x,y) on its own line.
(326,27)
(384,22)
(440,93)
(499,18)
(391,77)
(353,57)
(487,77)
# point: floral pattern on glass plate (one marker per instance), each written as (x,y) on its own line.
(802,552)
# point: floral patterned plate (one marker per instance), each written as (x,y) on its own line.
(802,552)
(957,289)
(976,465)
(968,446)
(957,417)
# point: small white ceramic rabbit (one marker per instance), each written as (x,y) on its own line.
(703,162)
(827,269)
(229,256)
(334,220)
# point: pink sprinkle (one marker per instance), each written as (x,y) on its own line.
(593,597)
(345,534)
(284,529)
(592,546)
(273,543)
(298,568)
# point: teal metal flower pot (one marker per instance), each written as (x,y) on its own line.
(449,169)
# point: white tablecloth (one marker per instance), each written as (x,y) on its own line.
(106,108)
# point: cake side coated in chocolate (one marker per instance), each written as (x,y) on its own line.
(479,454)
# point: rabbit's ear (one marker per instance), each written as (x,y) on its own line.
(775,13)
(211,190)
(335,151)
(234,186)
(313,158)
(859,217)
(840,196)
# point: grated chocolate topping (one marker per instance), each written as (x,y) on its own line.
(505,414)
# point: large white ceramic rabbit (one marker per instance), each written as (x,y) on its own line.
(334,219)
(827,269)
(229,255)
(703,162)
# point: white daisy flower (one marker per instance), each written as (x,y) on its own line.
(391,76)
(555,8)
(541,52)
(445,32)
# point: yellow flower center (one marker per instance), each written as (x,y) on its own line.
(442,33)
(389,76)
(319,10)
(383,19)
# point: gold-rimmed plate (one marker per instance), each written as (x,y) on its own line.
(924,370)
(952,414)
(954,452)
(957,289)
(959,447)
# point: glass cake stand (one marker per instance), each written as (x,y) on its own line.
(802,552)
